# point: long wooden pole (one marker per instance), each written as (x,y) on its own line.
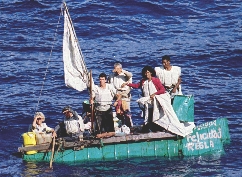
(52,152)
(92,112)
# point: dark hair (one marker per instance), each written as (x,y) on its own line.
(67,108)
(150,69)
(166,57)
(103,75)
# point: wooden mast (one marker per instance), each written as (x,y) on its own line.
(92,107)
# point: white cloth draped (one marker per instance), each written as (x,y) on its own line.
(74,66)
(164,115)
(148,89)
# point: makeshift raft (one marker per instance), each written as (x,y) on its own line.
(206,138)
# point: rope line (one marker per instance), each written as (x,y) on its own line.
(47,67)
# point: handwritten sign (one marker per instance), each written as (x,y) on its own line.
(206,138)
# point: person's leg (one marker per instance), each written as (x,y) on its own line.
(118,98)
(109,124)
(99,122)
(128,100)
(127,119)
(150,118)
(118,106)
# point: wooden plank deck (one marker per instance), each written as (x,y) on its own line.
(102,141)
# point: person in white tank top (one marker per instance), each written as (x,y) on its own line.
(170,76)
(103,95)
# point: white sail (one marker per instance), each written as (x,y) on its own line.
(76,75)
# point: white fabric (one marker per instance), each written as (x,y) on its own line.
(148,89)
(42,128)
(81,123)
(73,126)
(103,96)
(88,126)
(74,66)
(169,78)
(144,103)
(125,129)
(118,80)
(165,116)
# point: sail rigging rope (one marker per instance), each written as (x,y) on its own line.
(47,67)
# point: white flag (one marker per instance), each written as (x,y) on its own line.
(74,65)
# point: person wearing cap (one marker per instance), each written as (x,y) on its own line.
(103,95)
(170,76)
(73,123)
(39,127)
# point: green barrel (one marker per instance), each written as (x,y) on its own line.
(184,107)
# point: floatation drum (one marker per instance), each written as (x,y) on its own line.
(29,139)
(183,106)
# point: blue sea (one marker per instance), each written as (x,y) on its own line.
(204,38)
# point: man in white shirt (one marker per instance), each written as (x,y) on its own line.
(73,123)
(117,78)
(122,104)
(103,95)
(170,76)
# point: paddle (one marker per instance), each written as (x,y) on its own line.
(52,152)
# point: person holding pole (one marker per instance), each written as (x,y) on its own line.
(103,95)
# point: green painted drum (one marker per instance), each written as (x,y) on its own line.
(158,148)
(184,107)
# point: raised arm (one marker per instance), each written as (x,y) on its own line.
(34,123)
(137,85)
(127,74)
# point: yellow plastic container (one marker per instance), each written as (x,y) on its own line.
(29,139)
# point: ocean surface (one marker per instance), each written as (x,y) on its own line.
(202,37)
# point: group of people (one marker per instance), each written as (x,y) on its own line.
(117,86)
(73,124)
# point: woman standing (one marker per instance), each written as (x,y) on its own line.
(150,86)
